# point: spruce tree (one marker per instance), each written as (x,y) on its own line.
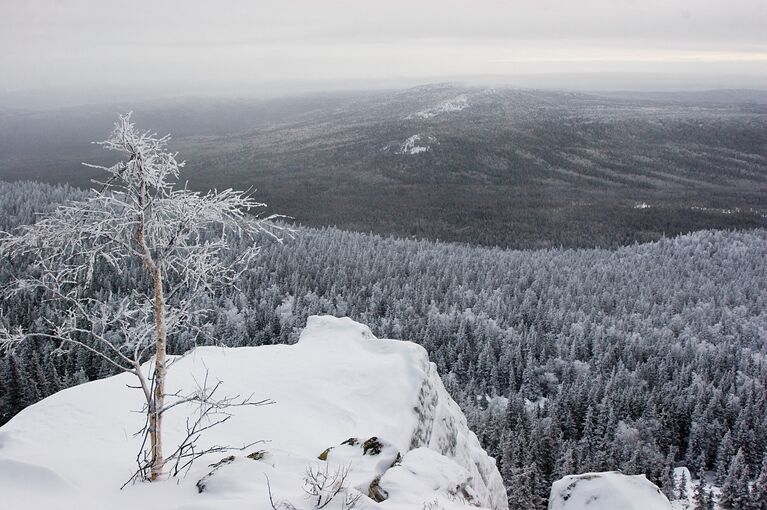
(724,455)
(681,486)
(710,500)
(667,482)
(759,489)
(735,491)
(700,493)
(520,490)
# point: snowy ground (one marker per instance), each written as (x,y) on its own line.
(616,491)
(606,491)
(75,449)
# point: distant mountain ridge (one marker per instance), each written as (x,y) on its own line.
(513,167)
(732,96)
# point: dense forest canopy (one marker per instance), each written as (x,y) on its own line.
(565,361)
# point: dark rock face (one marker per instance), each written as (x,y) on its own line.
(257,455)
(376,492)
(372,446)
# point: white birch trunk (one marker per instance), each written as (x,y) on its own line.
(155,421)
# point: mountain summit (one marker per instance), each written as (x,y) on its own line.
(374,412)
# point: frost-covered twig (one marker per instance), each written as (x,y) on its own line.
(323,484)
(136,215)
(282,505)
(211,411)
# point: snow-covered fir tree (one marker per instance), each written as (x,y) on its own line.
(663,342)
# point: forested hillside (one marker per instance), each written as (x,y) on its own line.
(564,361)
(508,167)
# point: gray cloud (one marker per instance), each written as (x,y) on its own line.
(194,45)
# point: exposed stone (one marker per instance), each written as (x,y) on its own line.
(324,455)
(257,455)
(372,446)
(376,492)
(202,482)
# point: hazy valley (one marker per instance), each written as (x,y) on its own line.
(508,167)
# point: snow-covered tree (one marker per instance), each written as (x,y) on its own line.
(699,495)
(735,491)
(650,363)
(759,489)
(724,455)
(681,486)
(137,216)
(667,482)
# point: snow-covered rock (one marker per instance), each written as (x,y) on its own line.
(606,491)
(345,400)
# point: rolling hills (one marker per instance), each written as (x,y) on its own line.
(509,167)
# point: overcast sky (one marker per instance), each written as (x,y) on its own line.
(194,46)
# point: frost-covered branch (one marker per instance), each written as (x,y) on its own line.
(137,216)
(210,410)
(322,484)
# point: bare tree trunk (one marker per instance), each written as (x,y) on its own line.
(138,215)
(157,401)
(155,418)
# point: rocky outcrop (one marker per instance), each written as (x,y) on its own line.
(442,427)
(356,418)
(606,491)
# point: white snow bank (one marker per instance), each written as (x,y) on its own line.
(76,448)
(26,485)
(606,491)
(424,471)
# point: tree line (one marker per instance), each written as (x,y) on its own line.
(641,358)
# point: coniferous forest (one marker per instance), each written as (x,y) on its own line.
(640,358)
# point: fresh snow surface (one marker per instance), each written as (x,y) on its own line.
(606,491)
(455,104)
(76,448)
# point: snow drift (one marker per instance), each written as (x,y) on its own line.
(345,400)
(606,491)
